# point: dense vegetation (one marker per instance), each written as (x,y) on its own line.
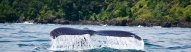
(75,10)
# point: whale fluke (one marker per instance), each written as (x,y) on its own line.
(117,33)
(72,31)
(69,31)
(82,39)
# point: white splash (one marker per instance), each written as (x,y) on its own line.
(71,42)
(118,42)
(25,23)
(84,42)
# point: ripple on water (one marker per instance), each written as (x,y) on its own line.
(160,41)
(37,40)
(6,41)
(164,33)
(24,37)
(5,28)
(151,45)
(42,47)
(22,45)
(21,31)
(42,40)
(148,44)
(179,47)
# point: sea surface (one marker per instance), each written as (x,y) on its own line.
(20,37)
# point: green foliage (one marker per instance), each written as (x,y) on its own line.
(75,10)
(187,13)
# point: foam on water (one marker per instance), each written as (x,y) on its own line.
(85,42)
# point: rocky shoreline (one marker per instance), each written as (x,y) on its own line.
(182,24)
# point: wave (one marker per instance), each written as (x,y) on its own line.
(7,41)
(180,47)
(37,40)
(5,28)
(21,45)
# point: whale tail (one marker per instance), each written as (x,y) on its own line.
(91,32)
(70,31)
(65,38)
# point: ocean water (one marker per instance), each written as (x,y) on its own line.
(18,37)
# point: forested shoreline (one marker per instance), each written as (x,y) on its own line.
(113,12)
